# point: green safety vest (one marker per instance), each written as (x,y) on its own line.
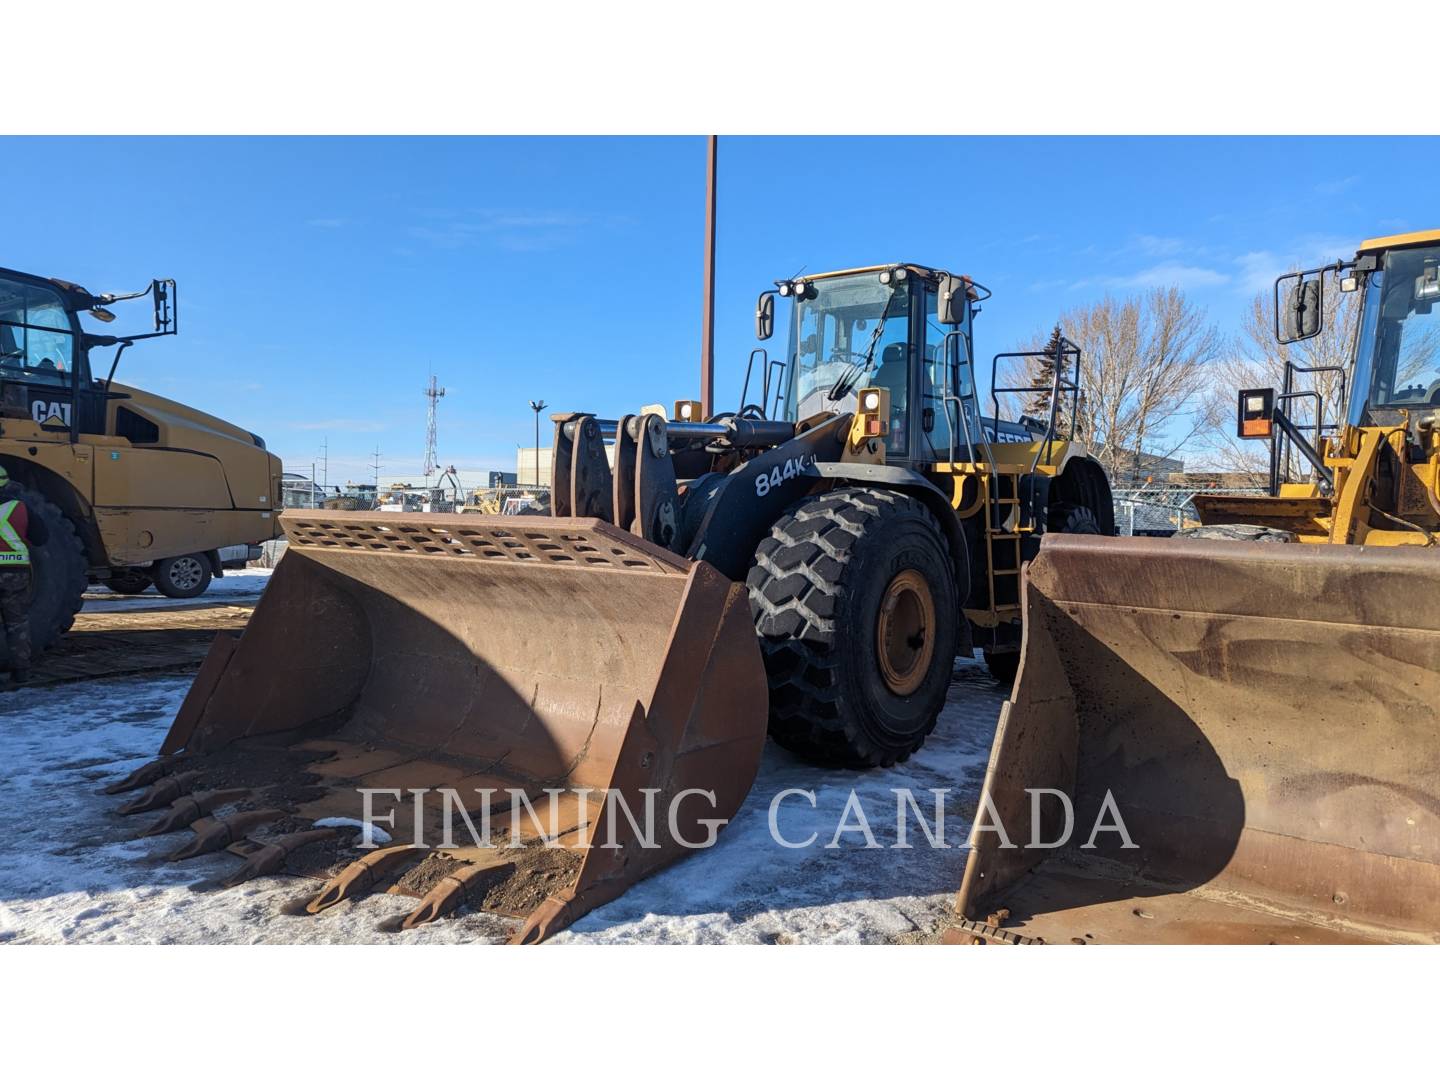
(13,551)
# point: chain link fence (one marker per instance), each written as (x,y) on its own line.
(1158,510)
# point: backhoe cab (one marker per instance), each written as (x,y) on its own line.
(1369,473)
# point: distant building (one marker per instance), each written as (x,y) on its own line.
(503,479)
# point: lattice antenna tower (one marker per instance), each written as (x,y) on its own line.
(434,392)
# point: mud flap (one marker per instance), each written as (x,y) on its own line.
(1264,720)
(547,656)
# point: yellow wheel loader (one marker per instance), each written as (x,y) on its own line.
(810,563)
(136,489)
(1219,741)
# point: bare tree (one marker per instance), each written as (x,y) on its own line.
(1144,367)
(1255,359)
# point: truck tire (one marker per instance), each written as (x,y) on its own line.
(183,577)
(853,596)
(59,576)
(129,584)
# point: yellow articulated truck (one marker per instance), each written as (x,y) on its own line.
(1224,741)
(134,488)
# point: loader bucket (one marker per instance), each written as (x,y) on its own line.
(417,652)
(1265,720)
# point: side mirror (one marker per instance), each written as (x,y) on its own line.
(765,316)
(1256,415)
(166,306)
(1303,312)
(950,299)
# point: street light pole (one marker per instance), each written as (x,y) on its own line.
(707,310)
(537,406)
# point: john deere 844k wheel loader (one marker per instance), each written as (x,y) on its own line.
(134,488)
(817,557)
(1264,718)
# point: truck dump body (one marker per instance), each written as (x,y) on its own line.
(1266,720)
(413,652)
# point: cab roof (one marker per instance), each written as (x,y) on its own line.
(1409,239)
(923,271)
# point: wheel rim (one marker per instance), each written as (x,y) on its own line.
(905,632)
(185,573)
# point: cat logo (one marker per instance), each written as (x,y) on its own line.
(46,412)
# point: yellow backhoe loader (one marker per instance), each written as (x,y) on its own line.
(815,559)
(1254,728)
(137,490)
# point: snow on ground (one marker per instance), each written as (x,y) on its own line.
(70,869)
(237,585)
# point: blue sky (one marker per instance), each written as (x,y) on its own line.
(321,280)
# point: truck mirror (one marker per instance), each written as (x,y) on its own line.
(166,314)
(765,316)
(950,299)
(1303,313)
(1256,414)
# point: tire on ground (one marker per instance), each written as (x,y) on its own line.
(1262,534)
(816,589)
(183,577)
(129,584)
(59,575)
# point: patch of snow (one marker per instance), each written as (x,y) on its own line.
(373,834)
(72,870)
(236,585)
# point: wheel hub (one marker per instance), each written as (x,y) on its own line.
(905,632)
(185,573)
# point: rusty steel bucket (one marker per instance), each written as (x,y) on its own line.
(1265,719)
(419,652)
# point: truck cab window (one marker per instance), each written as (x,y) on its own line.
(36,340)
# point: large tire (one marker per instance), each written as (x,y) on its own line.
(129,584)
(183,577)
(59,576)
(852,685)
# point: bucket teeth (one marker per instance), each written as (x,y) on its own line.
(362,875)
(270,857)
(190,808)
(445,896)
(145,774)
(212,834)
(163,793)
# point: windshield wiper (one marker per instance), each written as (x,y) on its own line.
(852,375)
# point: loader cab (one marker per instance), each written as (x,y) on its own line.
(1397,347)
(876,327)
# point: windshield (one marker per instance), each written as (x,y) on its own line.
(840,323)
(35,336)
(1400,332)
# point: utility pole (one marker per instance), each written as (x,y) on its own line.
(312,485)
(707,311)
(375,473)
(434,392)
(537,406)
(325,463)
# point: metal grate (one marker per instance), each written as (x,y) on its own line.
(598,546)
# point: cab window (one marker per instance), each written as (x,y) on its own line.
(36,342)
